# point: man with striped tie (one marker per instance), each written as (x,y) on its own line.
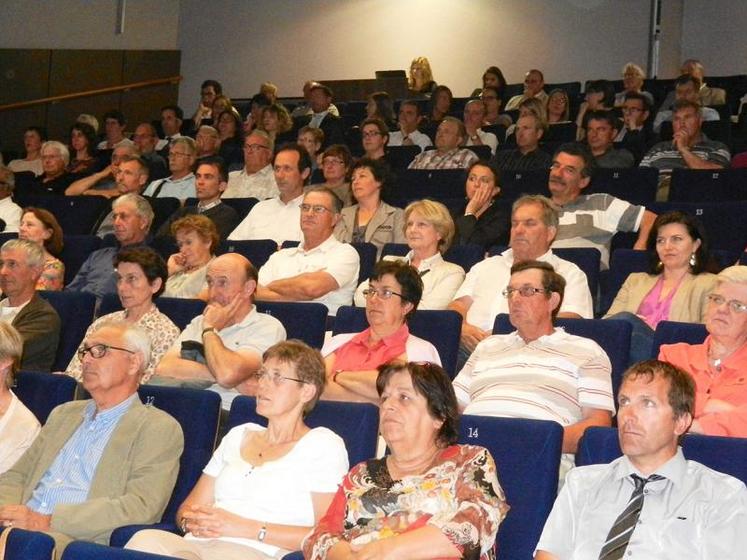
(651,503)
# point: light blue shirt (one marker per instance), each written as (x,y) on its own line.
(68,479)
(182,189)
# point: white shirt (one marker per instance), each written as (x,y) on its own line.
(18,430)
(123,142)
(339,260)
(417,137)
(487,139)
(182,189)
(260,185)
(317,118)
(21,165)
(486,281)
(8,313)
(271,219)
(11,213)
(165,142)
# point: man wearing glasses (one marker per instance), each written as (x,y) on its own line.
(538,371)
(181,183)
(101,463)
(257,179)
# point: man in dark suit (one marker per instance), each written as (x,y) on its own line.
(320,98)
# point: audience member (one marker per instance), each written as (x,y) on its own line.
(304,109)
(132,176)
(686,88)
(336,163)
(256,179)
(33,138)
(635,135)
(197,240)
(88,119)
(209,90)
(277,123)
(141,277)
(439,105)
(374,138)
(207,142)
(601,130)
(706,95)
(530,106)
(380,107)
(83,145)
(181,183)
(41,227)
(21,265)
(231,138)
(55,179)
(287,458)
(311,139)
(474,118)
(429,231)
(10,212)
(448,155)
(385,507)
(690,510)
(600,96)
(320,99)
(492,78)
(145,139)
(321,268)
(172,119)
(558,106)
(527,155)
(491,97)
(253,118)
(104,182)
(534,82)
(269,90)
(633,76)
(408,134)
(131,451)
(420,82)
(114,128)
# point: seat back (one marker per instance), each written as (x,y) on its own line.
(76,314)
(28,545)
(302,320)
(587,259)
(258,251)
(527,456)
(436,184)
(77,215)
(441,328)
(75,251)
(83,550)
(623,262)
(636,185)
(42,392)
(241,205)
(356,423)
(671,332)
(465,256)
(163,207)
(516,183)
(703,185)
(399,157)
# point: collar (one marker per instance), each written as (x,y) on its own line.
(450,153)
(545,257)
(204,207)
(426,264)
(264,171)
(293,202)
(674,469)
(322,114)
(190,177)
(398,337)
(323,247)
(110,414)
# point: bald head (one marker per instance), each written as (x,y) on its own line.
(231,276)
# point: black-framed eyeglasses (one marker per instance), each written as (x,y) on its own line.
(275,377)
(99,350)
(383,293)
(524,291)
(733,304)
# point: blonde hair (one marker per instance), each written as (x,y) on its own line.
(427,72)
(11,346)
(736,274)
(438,216)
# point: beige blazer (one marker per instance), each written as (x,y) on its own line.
(688,304)
(387,225)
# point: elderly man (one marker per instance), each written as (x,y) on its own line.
(10,212)
(222,348)
(601,130)
(104,182)
(534,223)
(651,502)
(686,88)
(448,155)
(538,371)
(257,179)
(21,265)
(321,268)
(474,117)
(132,176)
(590,220)
(210,182)
(55,180)
(689,149)
(132,219)
(145,139)
(208,141)
(706,95)
(320,101)
(408,134)
(181,183)
(114,128)
(101,463)
(172,118)
(529,131)
(534,82)
(304,109)
(279,218)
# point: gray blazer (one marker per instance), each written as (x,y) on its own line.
(387,225)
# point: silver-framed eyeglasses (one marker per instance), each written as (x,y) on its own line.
(524,291)
(275,377)
(99,350)
(383,293)
(314,208)
(733,304)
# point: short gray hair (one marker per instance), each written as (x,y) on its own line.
(263,134)
(736,274)
(34,252)
(142,206)
(187,141)
(549,208)
(135,339)
(59,147)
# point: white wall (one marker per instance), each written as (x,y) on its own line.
(714,32)
(242,43)
(88,24)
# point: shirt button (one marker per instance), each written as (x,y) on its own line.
(44,504)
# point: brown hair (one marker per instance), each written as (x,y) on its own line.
(204,226)
(55,242)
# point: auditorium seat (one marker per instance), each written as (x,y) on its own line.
(482,152)
(560,132)
(82,550)
(435,184)
(302,320)
(399,157)
(623,262)
(241,205)
(465,256)
(258,251)
(42,392)
(76,314)
(527,457)
(587,259)
(163,208)
(515,183)
(671,332)
(636,185)
(75,251)
(498,129)
(28,545)
(77,215)
(704,185)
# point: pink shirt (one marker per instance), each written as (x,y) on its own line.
(357,355)
(654,310)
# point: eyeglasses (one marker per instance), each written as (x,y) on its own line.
(632,110)
(734,305)
(251,148)
(524,291)
(383,293)
(275,377)
(314,208)
(332,161)
(371,134)
(99,351)
(180,154)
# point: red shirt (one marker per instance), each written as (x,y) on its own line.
(357,355)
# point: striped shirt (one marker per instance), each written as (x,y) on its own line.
(458,158)
(68,479)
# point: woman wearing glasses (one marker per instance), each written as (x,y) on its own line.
(718,365)
(336,162)
(265,488)
(392,297)
(141,277)
(374,138)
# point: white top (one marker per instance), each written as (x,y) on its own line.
(417,137)
(11,213)
(187,284)
(695,512)
(255,333)
(8,313)
(271,219)
(182,189)
(18,430)
(416,348)
(487,279)
(164,143)
(339,260)
(21,165)
(123,142)
(278,491)
(441,279)
(487,138)
(260,185)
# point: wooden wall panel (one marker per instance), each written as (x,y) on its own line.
(24,74)
(74,71)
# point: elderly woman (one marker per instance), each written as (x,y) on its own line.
(371,220)
(265,488)
(429,498)
(41,227)
(718,365)
(558,106)
(83,145)
(633,76)
(429,231)
(420,81)
(336,162)
(374,137)
(197,239)
(33,137)
(484,219)
(141,276)
(276,122)
(392,297)
(674,289)
(18,426)
(55,180)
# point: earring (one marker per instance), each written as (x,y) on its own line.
(693,261)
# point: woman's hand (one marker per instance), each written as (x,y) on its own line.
(480,201)
(176,263)
(211,522)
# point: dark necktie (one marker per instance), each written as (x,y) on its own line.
(622,529)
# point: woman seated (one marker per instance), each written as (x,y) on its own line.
(633,76)
(429,231)
(492,77)
(380,107)
(491,98)
(485,219)
(439,107)
(429,498)
(676,286)
(18,425)
(277,123)
(197,239)
(33,137)
(371,220)
(558,106)
(392,297)
(374,137)
(265,488)
(718,365)
(41,227)
(420,82)
(311,139)
(336,162)
(530,106)
(600,96)
(83,146)
(141,276)
(231,134)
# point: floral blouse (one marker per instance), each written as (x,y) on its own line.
(53,275)
(459,494)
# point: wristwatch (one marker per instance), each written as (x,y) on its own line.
(209,329)
(262,533)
